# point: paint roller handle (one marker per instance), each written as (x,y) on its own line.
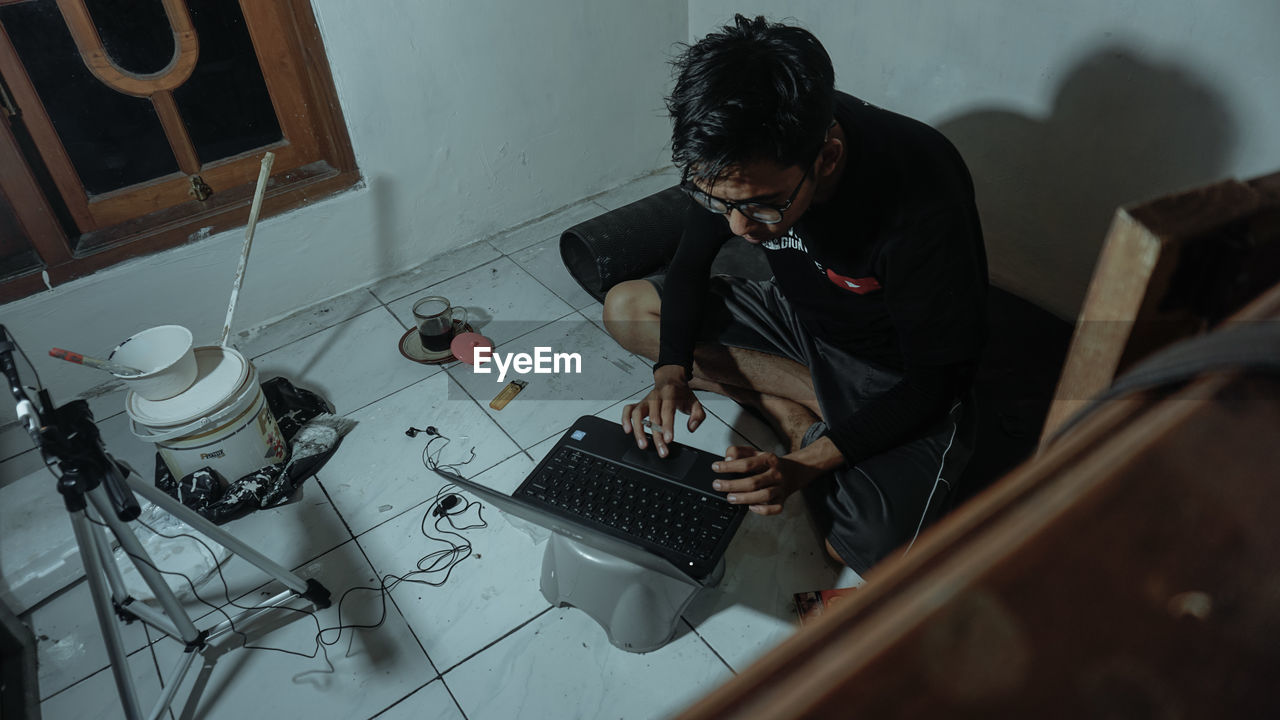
(112,367)
(255,208)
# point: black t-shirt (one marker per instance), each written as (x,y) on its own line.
(891,267)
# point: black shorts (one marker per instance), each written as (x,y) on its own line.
(883,502)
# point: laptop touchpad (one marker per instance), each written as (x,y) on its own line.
(675,465)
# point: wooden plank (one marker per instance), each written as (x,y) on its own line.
(1141,296)
(1120,283)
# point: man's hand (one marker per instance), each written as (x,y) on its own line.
(772,478)
(670,393)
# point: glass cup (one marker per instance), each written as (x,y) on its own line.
(434,317)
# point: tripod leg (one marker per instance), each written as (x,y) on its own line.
(119,593)
(309,589)
(93,571)
(146,568)
(174,680)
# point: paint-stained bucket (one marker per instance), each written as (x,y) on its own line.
(222,421)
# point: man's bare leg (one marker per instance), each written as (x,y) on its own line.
(631,315)
(788,418)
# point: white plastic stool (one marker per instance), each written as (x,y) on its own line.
(639,608)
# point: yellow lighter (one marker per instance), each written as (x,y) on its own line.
(512,389)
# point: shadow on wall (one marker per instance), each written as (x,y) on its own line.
(1122,130)
(382,190)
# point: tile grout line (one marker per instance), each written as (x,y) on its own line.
(456,702)
(317,331)
(562,210)
(104,668)
(438,370)
(408,695)
(418,689)
(706,642)
(592,199)
(497,424)
(155,661)
(387,307)
(388,597)
(504,636)
(454,276)
(369,287)
(548,287)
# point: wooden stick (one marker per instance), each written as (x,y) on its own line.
(258,192)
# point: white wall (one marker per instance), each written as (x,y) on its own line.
(1064,111)
(467,118)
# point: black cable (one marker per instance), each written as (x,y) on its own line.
(452,556)
(8,337)
(432,459)
(442,561)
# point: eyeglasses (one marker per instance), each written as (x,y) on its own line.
(761,212)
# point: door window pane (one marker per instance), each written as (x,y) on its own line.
(135,33)
(113,140)
(225,104)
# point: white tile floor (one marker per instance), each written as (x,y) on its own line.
(484,643)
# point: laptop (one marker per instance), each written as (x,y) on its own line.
(598,488)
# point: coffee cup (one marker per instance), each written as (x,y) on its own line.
(434,317)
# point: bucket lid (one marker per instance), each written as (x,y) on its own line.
(220,371)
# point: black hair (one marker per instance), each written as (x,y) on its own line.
(754,91)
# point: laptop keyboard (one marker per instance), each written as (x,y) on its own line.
(631,502)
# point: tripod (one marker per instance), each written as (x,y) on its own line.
(88,477)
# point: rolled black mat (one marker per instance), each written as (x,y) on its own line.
(630,242)
(638,240)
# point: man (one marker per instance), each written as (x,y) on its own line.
(861,348)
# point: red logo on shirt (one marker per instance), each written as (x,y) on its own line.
(861,286)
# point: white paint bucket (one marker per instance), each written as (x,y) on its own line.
(222,421)
(164,356)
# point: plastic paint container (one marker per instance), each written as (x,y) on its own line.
(222,421)
(164,356)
